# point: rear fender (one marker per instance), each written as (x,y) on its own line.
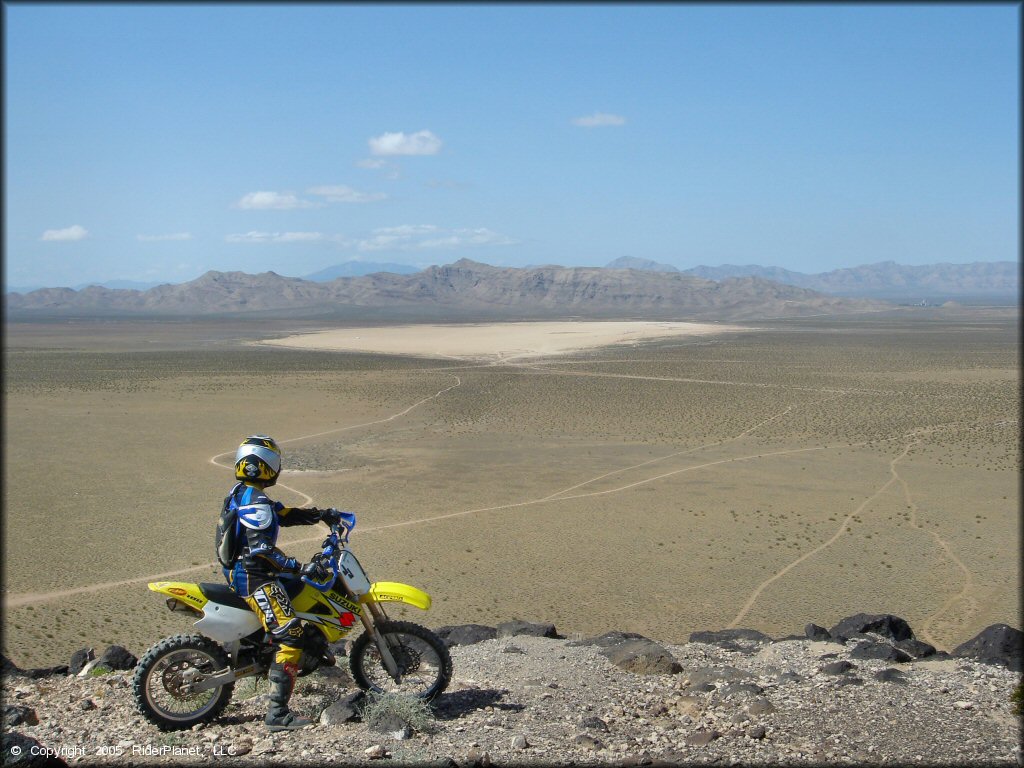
(187,593)
(394,592)
(223,623)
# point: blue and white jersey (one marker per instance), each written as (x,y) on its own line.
(248,537)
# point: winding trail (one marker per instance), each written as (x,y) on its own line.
(968,582)
(810,553)
(16,600)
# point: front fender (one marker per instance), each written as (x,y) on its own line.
(393,592)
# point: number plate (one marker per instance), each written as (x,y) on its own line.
(352,574)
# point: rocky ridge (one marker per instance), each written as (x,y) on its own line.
(453,290)
(865,691)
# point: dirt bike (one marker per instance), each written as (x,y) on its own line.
(189,678)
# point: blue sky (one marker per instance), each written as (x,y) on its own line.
(156,142)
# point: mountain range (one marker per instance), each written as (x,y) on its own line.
(884,280)
(457,291)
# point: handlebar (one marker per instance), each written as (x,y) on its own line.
(330,550)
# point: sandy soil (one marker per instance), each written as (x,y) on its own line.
(503,341)
(765,479)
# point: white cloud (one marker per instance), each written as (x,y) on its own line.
(74,232)
(273,200)
(419,143)
(369,162)
(414,237)
(160,238)
(275,237)
(343,194)
(598,120)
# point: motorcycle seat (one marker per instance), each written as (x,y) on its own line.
(223,594)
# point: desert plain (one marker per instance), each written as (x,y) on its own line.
(756,475)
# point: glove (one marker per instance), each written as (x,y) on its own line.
(315,572)
(334,516)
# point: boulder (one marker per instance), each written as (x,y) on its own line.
(344,711)
(17,714)
(116,657)
(837,667)
(743,640)
(10,669)
(79,659)
(466,634)
(881,651)
(890,675)
(17,750)
(917,649)
(884,624)
(643,657)
(814,632)
(609,639)
(995,644)
(520,627)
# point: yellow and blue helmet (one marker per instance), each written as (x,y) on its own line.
(258,460)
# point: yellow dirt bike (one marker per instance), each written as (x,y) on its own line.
(189,678)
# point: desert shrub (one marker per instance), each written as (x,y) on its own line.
(416,713)
(1018,699)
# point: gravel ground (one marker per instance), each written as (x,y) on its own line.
(531,700)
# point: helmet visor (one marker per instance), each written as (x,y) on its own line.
(273,458)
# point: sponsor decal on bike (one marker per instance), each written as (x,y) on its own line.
(177,591)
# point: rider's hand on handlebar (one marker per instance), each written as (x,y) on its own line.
(334,516)
(314,571)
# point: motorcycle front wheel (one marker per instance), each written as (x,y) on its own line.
(424,664)
(170,665)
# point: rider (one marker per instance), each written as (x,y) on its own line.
(247,548)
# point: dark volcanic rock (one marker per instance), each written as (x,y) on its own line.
(644,657)
(884,624)
(727,637)
(344,711)
(466,634)
(814,632)
(836,667)
(881,651)
(520,627)
(79,659)
(995,644)
(116,657)
(890,675)
(16,714)
(917,649)
(25,752)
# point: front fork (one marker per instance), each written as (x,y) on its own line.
(371,617)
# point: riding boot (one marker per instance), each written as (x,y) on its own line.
(282,681)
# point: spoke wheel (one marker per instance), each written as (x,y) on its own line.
(162,677)
(425,666)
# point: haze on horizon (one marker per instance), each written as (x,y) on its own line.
(153,143)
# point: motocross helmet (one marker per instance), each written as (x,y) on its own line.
(258,460)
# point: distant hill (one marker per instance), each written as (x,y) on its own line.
(358,269)
(889,280)
(465,288)
(631,262)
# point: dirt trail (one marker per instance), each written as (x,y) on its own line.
(810,553)
(895,478)
(968,583)
(12,601)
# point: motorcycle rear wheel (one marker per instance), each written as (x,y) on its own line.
(168,665)
(422,657)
